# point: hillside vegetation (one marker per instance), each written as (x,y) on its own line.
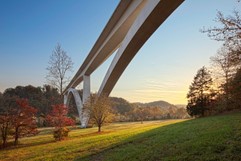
(211,138)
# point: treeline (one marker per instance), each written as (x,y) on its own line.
(152,113)
(125,111)
(218,89)
(43,98)
(23,109)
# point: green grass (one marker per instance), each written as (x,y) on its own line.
(212,138)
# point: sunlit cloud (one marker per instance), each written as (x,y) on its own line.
(154,90)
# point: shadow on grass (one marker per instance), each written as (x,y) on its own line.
(200,139)
(42,131)
(11,146)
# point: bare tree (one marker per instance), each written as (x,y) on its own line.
(225,64)
(229,31)
(59,64)
(100,110)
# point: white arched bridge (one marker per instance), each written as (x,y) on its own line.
(129,27)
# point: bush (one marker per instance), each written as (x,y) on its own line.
(61,133)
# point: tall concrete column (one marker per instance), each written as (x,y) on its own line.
(65,99)
(86,95)
(86,88)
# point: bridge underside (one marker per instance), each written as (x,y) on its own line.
(130,26)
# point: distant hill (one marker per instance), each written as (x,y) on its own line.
(161,104)
(121,105)
(180,105)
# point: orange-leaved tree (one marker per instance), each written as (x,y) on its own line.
(58,118)
(23,120)
(100,110)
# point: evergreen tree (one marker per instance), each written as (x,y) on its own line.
(200,93)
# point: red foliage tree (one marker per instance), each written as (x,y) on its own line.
(58,118)
(23,120)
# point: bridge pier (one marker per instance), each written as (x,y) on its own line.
(83,112)
(86,88)
(86,95)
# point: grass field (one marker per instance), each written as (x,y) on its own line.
(212,138)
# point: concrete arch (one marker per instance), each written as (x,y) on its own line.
(83,113)
(150,18)
(129,27)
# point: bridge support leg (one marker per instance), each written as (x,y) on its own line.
(86,88)
(65,99)
(86,95)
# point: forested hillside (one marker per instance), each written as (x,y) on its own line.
(42,98)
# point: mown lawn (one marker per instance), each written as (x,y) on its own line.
(212,138)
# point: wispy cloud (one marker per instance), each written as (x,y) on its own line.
(154,89)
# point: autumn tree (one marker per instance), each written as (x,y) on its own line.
(142,113)
(58,118)
(100,110)
(200,93)
(23,120)
(6,105)
(59,64)
(18,120)
(5,128)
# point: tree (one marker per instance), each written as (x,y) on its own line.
(59,64)
(141,113)
(18,119)
(7,104)
(50,96)
(225,64)
(5,127)
(23,120)
(235,90)
(229,31)
(58,118)
(100,110)
(200,93)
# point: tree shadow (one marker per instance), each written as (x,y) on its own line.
(197,139)
(135,141)
(20,145)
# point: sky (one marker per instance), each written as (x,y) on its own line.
(163,68)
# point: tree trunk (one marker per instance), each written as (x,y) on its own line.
(4,142)
(227,92)
(61,88)
(16,137)
(99,128)
(4,138)
(4,135)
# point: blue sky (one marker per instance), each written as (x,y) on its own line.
(162,70)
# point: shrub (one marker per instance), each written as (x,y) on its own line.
(61,133)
